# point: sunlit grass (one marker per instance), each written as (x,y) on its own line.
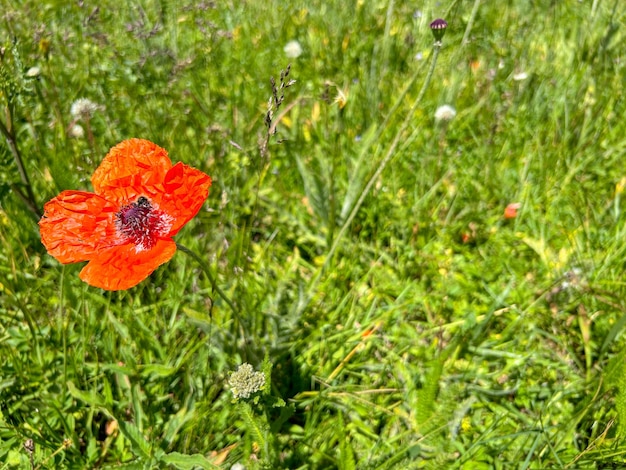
(428,331)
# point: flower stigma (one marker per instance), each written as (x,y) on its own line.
(142,224)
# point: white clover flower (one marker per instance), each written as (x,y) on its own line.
(445,113)
(33,72)
(245,381)
(84,107)
(76,131)
(293,49)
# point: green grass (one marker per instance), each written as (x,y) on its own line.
(424,331)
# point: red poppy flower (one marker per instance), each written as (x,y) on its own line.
(125,227)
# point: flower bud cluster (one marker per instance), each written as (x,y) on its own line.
(245,381)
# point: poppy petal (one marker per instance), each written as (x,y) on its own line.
(186,189)
(122,267)
(132,168)
(76,225)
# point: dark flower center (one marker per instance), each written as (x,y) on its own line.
(142,224)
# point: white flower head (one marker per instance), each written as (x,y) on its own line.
(84,108)
(445,113)
(518,77)
(33,72)
(245,381)
(293,49)
(76,131)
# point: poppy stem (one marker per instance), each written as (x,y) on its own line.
(207,271)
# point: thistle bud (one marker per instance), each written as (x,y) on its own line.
(438,27)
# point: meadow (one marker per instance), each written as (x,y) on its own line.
(412,254)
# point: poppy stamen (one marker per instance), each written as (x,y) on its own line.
(142,224)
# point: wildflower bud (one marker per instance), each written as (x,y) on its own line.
(341,99)
(510,211)
(245,381)
(29,445)
(44,47)
(438,27)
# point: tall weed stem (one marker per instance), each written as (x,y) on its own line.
(27,195)
(207,271)
(381,167)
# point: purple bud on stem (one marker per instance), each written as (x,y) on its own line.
(438,27)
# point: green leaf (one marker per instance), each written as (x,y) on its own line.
(187,462)
(158,370)
(428,393)
(91,398)
(129,466)
(137,440)
(175,423)
(346,453)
